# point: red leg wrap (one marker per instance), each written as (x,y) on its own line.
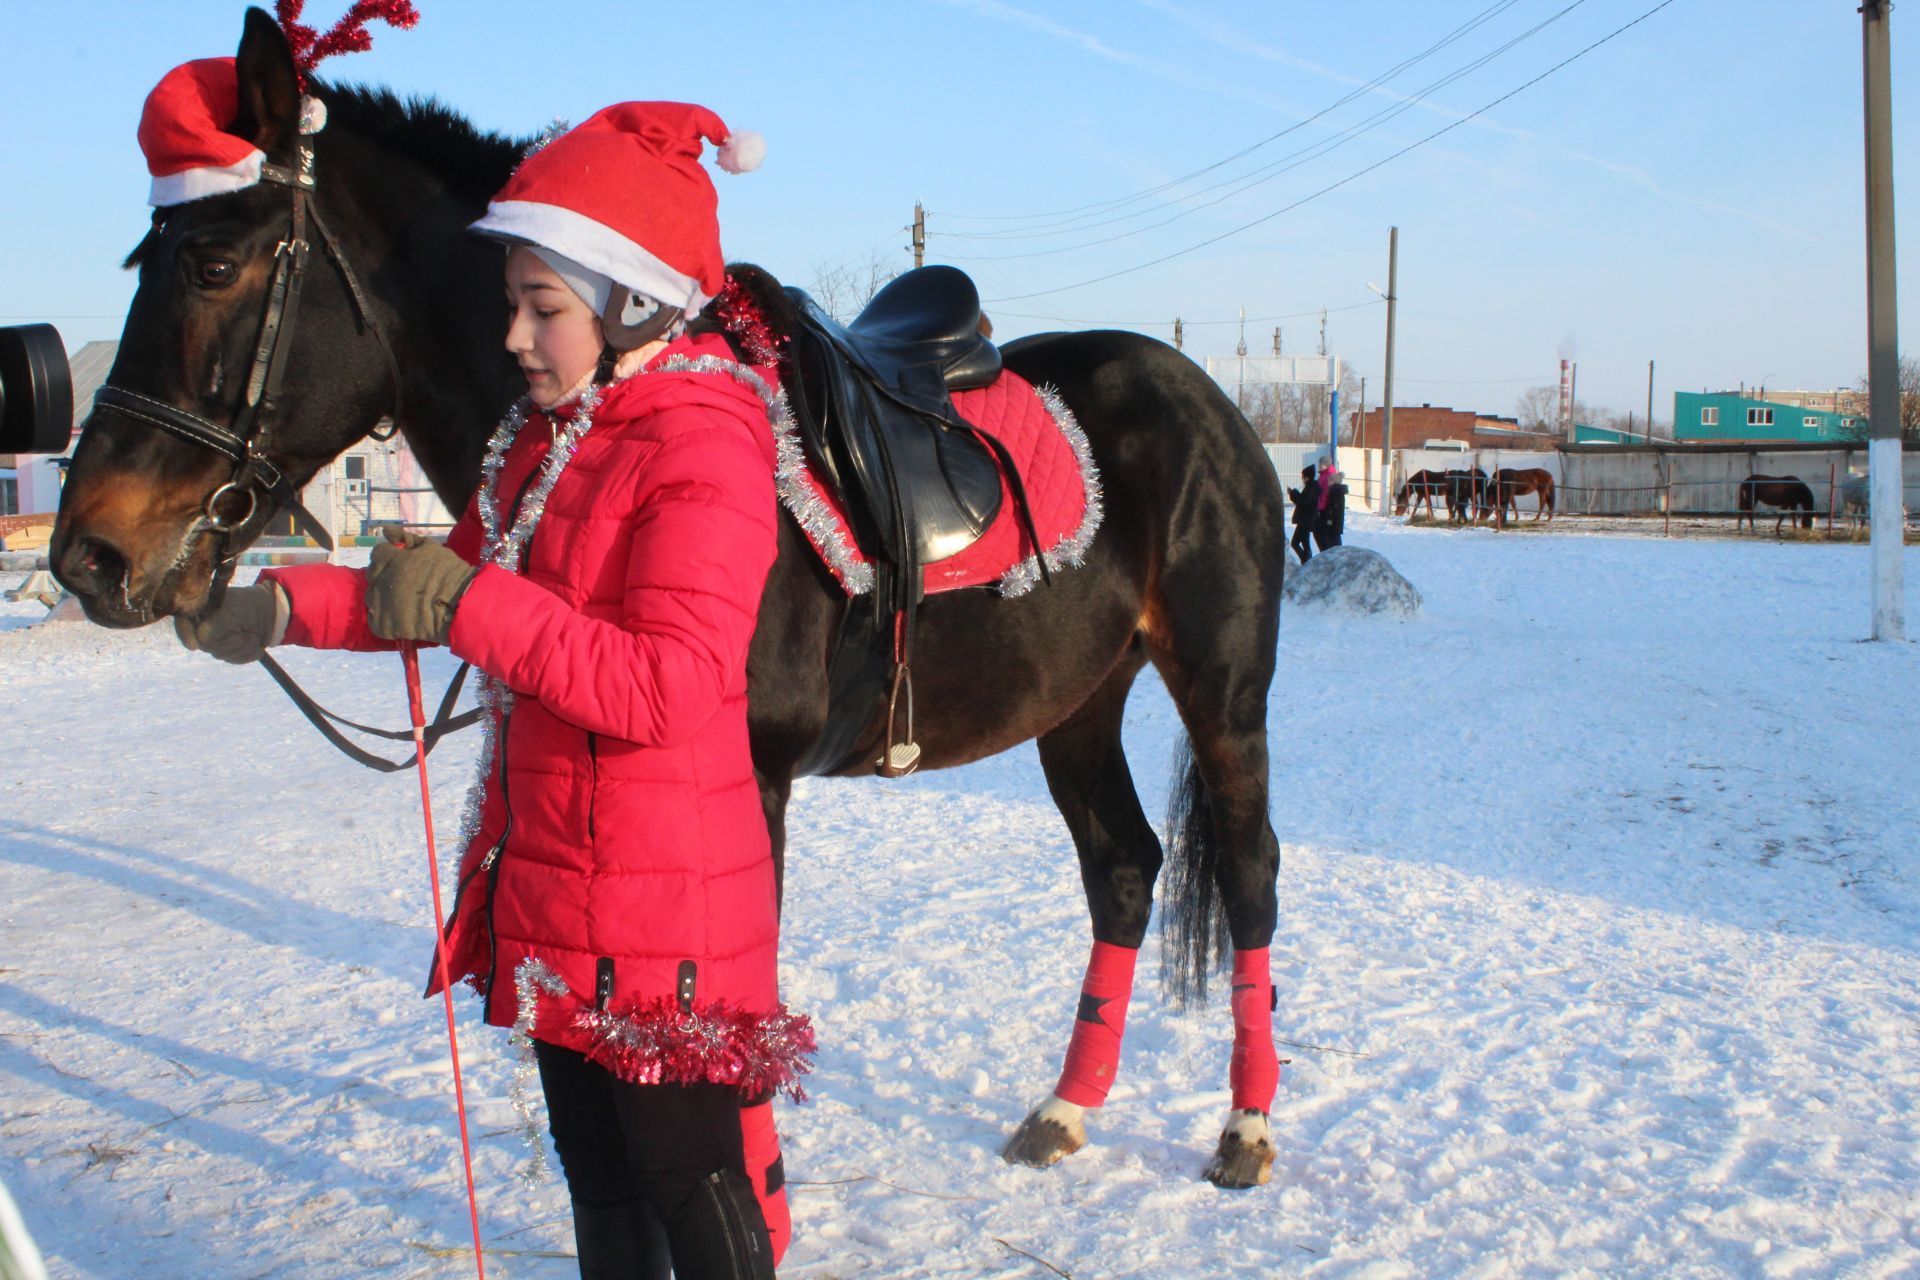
(766,1172)
(1255,1071)
(1093,1056)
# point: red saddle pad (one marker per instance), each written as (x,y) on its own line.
(1049,450)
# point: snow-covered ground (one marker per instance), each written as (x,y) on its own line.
(1598,957)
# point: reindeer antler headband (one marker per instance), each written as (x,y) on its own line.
(349,35)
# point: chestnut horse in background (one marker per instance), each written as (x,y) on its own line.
(1511,482)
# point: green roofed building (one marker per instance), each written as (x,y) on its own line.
(1730,415)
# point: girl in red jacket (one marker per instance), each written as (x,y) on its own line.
(616,901)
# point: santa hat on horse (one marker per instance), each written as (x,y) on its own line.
(623,200)
(185,125)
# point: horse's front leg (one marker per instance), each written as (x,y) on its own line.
(1120,857)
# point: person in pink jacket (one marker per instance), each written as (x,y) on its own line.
(616,902)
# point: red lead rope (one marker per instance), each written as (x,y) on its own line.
(409,654)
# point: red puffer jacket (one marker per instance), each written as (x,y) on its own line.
(620,879)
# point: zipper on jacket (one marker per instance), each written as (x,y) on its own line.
(492,864)
(498,853)
(593,779)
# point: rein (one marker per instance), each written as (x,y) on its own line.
(424,741)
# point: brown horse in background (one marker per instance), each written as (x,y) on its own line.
(1511,482)
(1424,486)
(1788,493)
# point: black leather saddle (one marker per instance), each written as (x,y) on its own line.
(918,482)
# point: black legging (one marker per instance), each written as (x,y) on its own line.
(654,1171)
(1301,547)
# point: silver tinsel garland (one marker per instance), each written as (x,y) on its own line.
(503,548)
(1070,551)
(529,980)
(825,530)
(791,480)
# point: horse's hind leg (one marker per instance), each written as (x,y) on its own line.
(1119,859)
(1215,647)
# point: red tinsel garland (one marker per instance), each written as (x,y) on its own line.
(349,35)
(741,317)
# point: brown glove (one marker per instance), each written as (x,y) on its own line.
(413,587)
(240,629)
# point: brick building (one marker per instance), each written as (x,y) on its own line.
(1415,425)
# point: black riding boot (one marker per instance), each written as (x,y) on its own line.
(620,1242)
(719,1233)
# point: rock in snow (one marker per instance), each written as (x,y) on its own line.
(1352,580)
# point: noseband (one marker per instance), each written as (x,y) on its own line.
(237,500)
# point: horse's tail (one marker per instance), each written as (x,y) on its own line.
(1193,924)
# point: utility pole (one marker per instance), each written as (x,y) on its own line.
(1179,336)
(1883,360)
(919,234)
(1649,402)
(1240,392)
(1276,342)
(1386,416)
(1333,415)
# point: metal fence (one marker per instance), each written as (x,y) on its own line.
(1623,480)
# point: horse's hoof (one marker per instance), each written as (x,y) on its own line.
(1244,1158)
(1051,1130)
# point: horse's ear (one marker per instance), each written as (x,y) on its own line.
(269,87)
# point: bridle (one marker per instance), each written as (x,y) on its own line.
(239,499)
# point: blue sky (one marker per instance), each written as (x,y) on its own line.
(1689,192)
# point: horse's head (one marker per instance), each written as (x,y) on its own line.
(151,517)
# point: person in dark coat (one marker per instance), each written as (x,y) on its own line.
(1330,518)
(1306,510)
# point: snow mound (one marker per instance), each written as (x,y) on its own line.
(1353,580)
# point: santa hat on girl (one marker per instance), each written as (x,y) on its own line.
(624,197)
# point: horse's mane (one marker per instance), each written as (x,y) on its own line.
(426,130)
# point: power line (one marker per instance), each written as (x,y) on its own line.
(1478,20)
(1291,315)
(1267,172)
(1412,146)
(1478,382)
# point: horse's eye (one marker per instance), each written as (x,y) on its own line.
(216,273)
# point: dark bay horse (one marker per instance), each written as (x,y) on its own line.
(1466,494)
(1185,573)
(1510,483)
(1423,486)
(1788,493)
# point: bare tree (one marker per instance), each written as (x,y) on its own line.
(843,288)
(1538,409)
(1909,405)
